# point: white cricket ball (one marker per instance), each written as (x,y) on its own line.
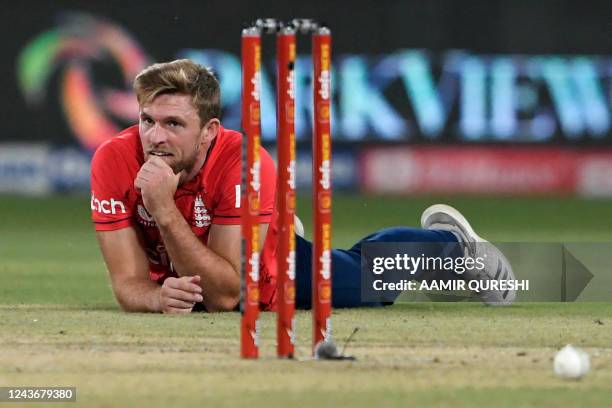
(571,363)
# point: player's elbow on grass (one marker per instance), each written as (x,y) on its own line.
(127,306)
(222,304)
(134,297)
(223,295)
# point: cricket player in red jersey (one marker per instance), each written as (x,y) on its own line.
(165,197)
(165,205)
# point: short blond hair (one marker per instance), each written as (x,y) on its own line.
(182,77)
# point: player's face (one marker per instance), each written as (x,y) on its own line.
(170,128)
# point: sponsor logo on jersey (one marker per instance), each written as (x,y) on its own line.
(111,206)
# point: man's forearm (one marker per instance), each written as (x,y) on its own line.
(220,282)
(138,295)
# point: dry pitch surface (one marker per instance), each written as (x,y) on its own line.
(60,327)
(441,354)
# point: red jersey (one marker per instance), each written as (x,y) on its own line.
(212,197)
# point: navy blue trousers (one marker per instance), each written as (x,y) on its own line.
(346,264)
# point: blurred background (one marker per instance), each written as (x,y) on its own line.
(478,97)
(501,108)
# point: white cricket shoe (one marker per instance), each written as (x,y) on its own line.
(446,218)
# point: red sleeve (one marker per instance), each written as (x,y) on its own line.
(111,183)
(228,210)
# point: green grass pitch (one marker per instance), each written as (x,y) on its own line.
(60,326)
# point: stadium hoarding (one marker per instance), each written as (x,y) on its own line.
(68,85)
(43,169)
(486,170)
(23,169)
(72,67)
(345,168)
(38,169)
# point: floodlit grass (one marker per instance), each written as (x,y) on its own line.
(59,325)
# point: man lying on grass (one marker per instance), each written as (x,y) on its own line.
(166,209)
